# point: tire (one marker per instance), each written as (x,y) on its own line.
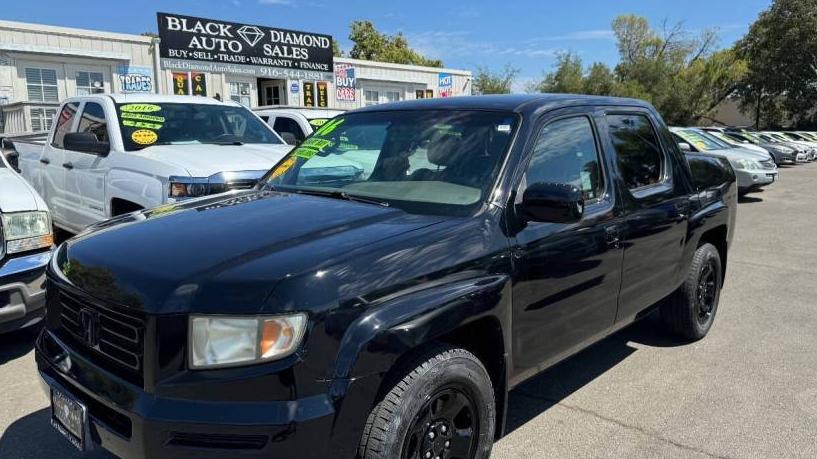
(690,311)
(425,401)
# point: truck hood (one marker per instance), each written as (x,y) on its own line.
(222,254)
(16,195)
(204,160)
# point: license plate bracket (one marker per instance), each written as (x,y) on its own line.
(69,417)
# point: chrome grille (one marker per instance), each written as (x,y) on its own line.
(119,336)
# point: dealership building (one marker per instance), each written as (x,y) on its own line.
(41,65)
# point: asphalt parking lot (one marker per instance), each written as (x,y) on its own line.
(748,390)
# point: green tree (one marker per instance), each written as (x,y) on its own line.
(373,45)
(600,80)
(682,76)
(568,76)
(336,51)
(487,81)
(781,54)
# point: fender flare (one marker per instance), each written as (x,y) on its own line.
(137,187)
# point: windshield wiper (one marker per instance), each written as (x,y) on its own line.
(337,194)
(236,142)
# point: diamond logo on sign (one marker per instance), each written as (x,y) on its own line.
(251,34)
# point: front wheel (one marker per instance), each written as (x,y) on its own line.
(442,408)
(690,311)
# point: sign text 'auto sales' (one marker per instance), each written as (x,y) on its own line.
(191,38)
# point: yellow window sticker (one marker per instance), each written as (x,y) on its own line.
(143,117)
(144,137)
(318,122)
(140,108)
(283,167)
(327,128)
(141,124)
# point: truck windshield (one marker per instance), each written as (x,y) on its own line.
(146,124)
(436,162)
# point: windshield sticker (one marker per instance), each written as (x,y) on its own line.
(305,153)
(144,137)
(327,128)
(283,167)
(143,117)
(504,128)
(318,122)
(140,108)
(141,124)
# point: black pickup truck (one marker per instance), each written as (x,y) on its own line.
(383,288)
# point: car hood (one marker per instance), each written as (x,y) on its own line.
(741,153)
(203,160)
(222,254)
(16,195)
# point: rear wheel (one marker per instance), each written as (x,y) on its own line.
(690,311)
(443,407)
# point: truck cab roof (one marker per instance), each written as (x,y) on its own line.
(152,99)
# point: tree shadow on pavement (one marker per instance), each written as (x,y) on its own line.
(540,393)
(17,344)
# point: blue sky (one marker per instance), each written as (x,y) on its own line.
(526,34)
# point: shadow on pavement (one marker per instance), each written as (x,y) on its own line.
(748,199)
(540,393)
(17,344)
(33,437)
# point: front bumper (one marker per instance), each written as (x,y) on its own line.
(22,290)
(755,179)
(132,423)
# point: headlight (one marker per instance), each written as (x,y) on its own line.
(745,164)
(24,231)
(188,187)
(218,341)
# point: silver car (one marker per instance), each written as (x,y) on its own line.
(754,170)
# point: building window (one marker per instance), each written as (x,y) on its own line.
(42,118)
(89,83)
(392,96)
(42,85)
(371,97)
(240,92)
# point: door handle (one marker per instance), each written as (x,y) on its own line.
(612,236)
(45,161)
(68,166)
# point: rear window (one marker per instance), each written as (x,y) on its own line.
(145,125)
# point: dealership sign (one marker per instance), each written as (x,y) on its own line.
(445,84)
(226,44)
(345,83)
(135,79)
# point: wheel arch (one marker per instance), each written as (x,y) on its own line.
(717,236)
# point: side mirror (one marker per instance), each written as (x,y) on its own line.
(86,142)
(552,202)
(684,146)
(289,138)
(13,159)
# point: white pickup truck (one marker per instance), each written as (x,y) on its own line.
(112,154)
(294,124)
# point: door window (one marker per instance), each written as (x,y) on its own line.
(640,160)
(89,83)
(93,120)
(283,124)
(64,122)
(566,153)
(41,85)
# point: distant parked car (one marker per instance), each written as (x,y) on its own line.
(802,150)
(754,170)
(811,144)
(26,240)
(781,153)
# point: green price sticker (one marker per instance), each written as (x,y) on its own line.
(140,108)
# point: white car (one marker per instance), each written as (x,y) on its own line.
(112,154)
(294,124)
(26,240)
